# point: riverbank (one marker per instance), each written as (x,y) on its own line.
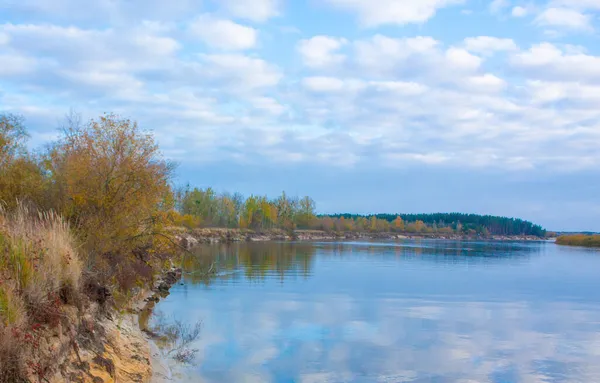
(160,367)
(579,240)
(194,237)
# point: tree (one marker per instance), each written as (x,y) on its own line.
(373,223)
(110,179)
(286,210)
(398,224)
(306,212)
(21,177)
(12,138)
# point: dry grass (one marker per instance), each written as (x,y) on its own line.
(39,268)
(579,240)
(39,254)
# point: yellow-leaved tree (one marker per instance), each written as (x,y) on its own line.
(111,181)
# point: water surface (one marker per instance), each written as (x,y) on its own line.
(411,311)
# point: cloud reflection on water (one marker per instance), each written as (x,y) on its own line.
(288,333)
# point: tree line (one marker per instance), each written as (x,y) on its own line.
(460,223)
(207,208)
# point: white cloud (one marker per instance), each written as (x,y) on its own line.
(102,12)
(255,10)
(15,65)
(241,72)
(106,47)
(268,104)
(553,91)
(323,84)
(564,18)
(519,11)
(223,34)
(320,51)
(577,4)
(398,12)
(488,45)
(548,61)
(485,83)
(462,60)
(399,87)
(498,5)
(385,55)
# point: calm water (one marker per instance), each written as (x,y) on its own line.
(428,311)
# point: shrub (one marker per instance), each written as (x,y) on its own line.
(110,178)
(111,181)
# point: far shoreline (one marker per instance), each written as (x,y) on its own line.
(190,238)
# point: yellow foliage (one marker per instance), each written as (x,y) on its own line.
(186,220)
(111,179)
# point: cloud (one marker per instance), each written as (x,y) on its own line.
(486,83)
(320,51)
(498,5)
(4,39)
(268,104)
(88,46)
(519,11)
(548,61)
(241,72)
(323,84)
(385,55)
(577,4)
(100,12)
(574,92)
(373,100)
(460,59)
(256,10)
(223,34)
(488,45)
(564,18)
(16,65)
(398,12)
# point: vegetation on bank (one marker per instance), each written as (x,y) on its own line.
(206,208)
(579,240)
(83,222)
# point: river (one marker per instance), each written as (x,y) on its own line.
(406,311)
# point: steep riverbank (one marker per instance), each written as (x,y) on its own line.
(98,348)
(191,238)
(102,346)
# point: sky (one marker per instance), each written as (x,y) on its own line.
(368,106)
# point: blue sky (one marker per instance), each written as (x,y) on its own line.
(366,105)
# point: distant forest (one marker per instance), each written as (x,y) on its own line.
(462,223)
(207,208)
